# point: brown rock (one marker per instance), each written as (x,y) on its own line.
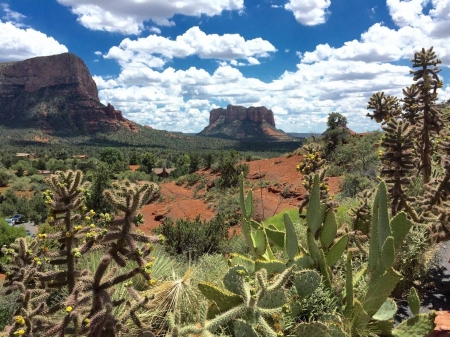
(41,72)
(442,322)
(55,94)
(232,112)
(238,122)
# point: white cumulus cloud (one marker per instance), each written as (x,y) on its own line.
(327,79)
(128,16)
(19,44)
(154,51)
(309,12)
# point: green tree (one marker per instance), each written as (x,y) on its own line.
(230,170)
(5,177)
(110,155)
(194,162)
(148,161)
(9,233)
(100,182)
(337,131)
(40,164)
(182,165)
(62,154)
(208,160)
(38,209)
(135,159)
(193,238)
(56,165)
(20,167)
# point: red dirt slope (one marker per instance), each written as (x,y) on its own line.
(282,189)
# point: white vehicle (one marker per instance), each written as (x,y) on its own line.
(10,221)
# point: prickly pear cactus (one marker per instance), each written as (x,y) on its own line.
(250,303)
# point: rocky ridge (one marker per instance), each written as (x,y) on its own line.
(238,122)
(55,94)
(236,112)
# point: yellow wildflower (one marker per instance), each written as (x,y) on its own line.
(20,320)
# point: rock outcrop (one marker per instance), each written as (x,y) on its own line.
(238,122)
(236,112)
(55,94)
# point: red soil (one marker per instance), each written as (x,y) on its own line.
(278,176)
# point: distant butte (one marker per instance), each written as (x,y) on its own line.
(55,94)
(240,123)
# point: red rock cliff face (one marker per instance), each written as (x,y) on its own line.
(56,94)
(232,112)
(41,72)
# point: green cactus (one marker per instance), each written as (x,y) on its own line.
(417,326)
(255,234)
(319,329)
(414,302)
(260,299)
(224,299)
(88,309)
(373,309)
(306,282)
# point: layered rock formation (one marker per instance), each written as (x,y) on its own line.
(56,94)
(235,112)
(238,122)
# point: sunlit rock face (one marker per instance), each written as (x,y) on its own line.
(55,94)
(238,122)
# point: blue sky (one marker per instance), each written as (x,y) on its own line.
(168,63)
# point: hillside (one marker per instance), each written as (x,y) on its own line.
(282,189)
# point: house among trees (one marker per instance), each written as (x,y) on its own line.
(26,155)
(80,156)
(162,172)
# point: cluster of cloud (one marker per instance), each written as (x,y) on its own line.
(382,44)
(327,79)
(19,44)
(154,51)
(128,16)
(309,12)
(149,91)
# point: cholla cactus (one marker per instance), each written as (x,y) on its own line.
(420,105)
(249,303)
(312,160)
(384,107)
(88,310)
(398,163)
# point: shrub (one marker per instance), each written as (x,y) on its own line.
(353,184)
(7,307)
(192,179)
(193,238)
(5,176)
(414,259)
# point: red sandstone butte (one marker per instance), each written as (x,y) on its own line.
(55,93)
(235,112)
